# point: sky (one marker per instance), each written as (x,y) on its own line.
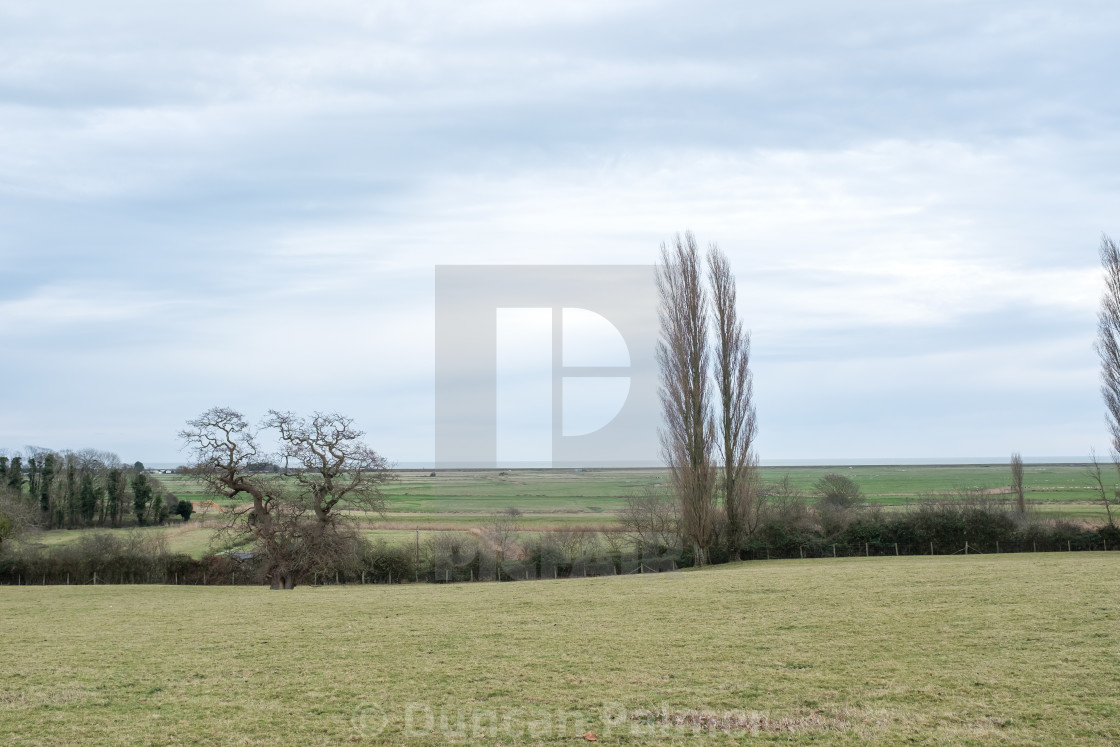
(243,204)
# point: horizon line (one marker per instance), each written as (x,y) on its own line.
(777,462)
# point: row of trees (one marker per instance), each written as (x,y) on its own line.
(707,397)
(70,489)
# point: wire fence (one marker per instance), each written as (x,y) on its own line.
(247,570)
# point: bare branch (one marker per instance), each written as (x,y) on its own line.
(332,465)
(1095,474)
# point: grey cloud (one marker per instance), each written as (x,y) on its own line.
(219,164)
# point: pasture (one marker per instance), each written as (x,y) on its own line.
(1016,649)
(567,499)
(590,492)
(553,500)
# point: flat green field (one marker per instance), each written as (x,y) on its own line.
(1015,649)
(606,490)
(592,498)
(566,499)
(190,538)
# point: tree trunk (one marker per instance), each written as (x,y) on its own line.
(282,579)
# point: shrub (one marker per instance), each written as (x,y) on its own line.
(838,491)
(185,509)
(385,562)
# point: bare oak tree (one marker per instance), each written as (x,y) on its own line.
(682,353)
(737,419)
(1017,484)
(327,458)
(224,449)
(291,516)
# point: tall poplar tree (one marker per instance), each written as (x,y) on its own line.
(687,437)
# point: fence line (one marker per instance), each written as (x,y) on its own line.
(224,571)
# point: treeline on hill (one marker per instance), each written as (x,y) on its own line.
(835,521)
(55,490)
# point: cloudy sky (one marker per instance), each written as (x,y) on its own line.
(243,203)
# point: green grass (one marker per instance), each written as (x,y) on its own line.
(566,499)
(190,538)
(1015,649)
(529,490)
(568,492)
(904,480)
(465,520)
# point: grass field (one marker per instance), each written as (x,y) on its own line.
(1015,649)
(600,491)
(192,539)
(565,499)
